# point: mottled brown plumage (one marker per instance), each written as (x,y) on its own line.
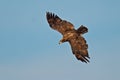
(74,37)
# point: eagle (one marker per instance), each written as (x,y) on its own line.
(70,34)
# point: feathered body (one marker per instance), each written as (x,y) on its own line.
(74,37)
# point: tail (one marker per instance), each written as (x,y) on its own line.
(82,29)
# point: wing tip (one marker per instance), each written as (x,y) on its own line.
(82,58)
(50,15)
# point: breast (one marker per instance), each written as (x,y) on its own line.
(70,35)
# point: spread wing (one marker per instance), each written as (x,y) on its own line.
(79,49)
(58,24)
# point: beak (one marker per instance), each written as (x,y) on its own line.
(60,42)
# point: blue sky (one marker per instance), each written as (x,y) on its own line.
(29,48)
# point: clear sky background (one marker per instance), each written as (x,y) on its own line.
(29,48)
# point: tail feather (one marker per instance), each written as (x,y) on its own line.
(82,29)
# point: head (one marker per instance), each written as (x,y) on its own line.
(62,41)
(67,37)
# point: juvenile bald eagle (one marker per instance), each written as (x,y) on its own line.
(74,37)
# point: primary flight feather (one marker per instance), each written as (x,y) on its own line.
(70,34)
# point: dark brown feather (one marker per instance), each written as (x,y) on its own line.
(58,24)
(79,48)
(82,29)
(78,43)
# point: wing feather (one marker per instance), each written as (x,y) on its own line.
(77,42)
(58,24)
(79,48)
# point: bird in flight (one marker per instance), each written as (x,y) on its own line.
(70,34)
